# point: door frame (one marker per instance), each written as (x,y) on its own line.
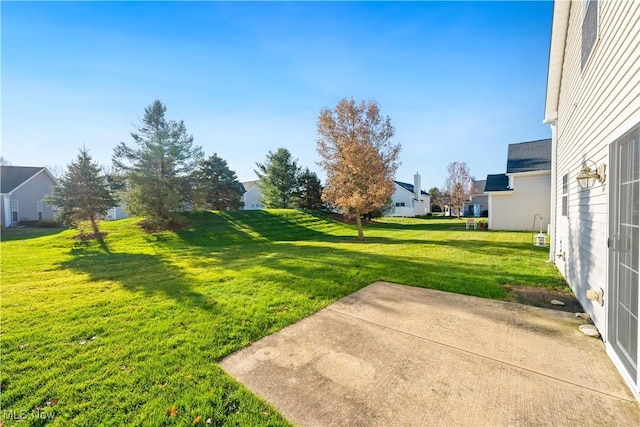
(632,382)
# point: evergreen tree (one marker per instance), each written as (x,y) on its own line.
(279,182)
(158,169)
(310,195)
(217,186)
(83,193)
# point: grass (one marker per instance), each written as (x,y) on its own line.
(129,330)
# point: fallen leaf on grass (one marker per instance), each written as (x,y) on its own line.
(53,402)
(173,411)
(197,420)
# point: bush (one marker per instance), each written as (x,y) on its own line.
(48,223)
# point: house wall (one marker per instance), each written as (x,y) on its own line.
(28,196)
(516,209)
(482,200)
(252,199)
(597,105)
(410,208)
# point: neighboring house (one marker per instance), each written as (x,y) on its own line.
(120,211)
(515,198)
(23,190)
(252,198)
(410,200)
(478,203)
(593,108)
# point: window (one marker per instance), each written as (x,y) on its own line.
(400,205)
(565,194)
(589,30)
(14,210)
(39,209)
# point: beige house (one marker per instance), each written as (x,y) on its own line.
(520,198)
(23,190)
(593,107)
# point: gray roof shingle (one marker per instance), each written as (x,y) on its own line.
(13,176)
(529,156)
(409,187)
(497,182)
(480,184)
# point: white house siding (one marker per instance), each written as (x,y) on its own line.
(596,106)
(404,203)
(516,209)
(252,199)
(28,196)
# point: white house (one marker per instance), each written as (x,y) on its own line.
(519,199)
(22,195)
(593,108)
(252,197)
(409,199)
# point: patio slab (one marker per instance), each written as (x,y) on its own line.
(398,355)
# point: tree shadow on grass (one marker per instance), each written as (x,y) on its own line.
(135,272)
(225,229)
(24,233)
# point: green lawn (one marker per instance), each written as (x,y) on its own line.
(130,330)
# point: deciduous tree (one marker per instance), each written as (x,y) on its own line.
(279,179)
(83,193)
(358,156)
(217,186)
(158,167)
(459,185)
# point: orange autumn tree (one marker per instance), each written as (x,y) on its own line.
(358,157)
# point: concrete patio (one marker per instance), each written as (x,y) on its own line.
(391,355)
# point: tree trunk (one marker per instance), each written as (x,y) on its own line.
(94,225)
(359,222)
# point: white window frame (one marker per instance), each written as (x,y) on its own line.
(15,209)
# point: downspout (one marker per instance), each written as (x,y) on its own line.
(554,190)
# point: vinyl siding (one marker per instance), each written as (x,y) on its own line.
(28,196)
(515,210)
(252,199)
(596,106)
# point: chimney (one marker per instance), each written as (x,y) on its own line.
(416,186)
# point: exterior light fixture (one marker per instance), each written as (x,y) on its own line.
(590,174)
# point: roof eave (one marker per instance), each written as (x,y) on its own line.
(559,29)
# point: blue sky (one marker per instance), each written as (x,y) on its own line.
(460,80)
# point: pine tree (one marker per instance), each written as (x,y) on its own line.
(310,193)
(279,179)
(217,186)
(158,169)
(83,193)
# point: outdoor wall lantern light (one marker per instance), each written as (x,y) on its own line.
(589,175)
